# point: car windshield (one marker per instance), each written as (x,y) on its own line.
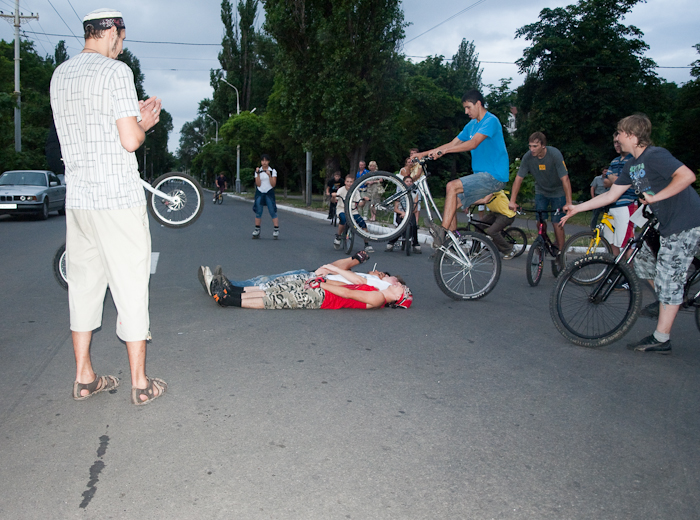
(23,179)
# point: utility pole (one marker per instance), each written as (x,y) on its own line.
(18,18)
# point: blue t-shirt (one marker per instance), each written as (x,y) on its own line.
(491,155)
(615,168)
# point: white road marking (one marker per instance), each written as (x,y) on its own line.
(154,262)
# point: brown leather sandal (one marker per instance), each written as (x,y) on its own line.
(136,393)
(100,384)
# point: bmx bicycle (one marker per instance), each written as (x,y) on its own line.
(588,305)
(466,267)
(588,242)
(540,248)
(175,200)
(219,197)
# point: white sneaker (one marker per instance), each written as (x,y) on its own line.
(276,234)
(256,233)
(369,248)
(389,248)
(205,277)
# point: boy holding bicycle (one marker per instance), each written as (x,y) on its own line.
(663,182)
(341,195)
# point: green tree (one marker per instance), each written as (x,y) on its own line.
(36,107)
(336,70)
(685,122)
(467,70)
(61,53)
(585,71)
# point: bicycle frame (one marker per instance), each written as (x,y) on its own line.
(150,188)
(421,185)
(542,231)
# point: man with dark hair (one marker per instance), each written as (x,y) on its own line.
(483,137)
(100,124)
(552,184)
(665,183)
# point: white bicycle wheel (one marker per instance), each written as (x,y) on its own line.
(188,204)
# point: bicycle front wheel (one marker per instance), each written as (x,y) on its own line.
(349,240)
(595,314)
(59,267)
(188,203)
(391,191)
(535,262)
(584,244)
(517,239)
(462,281)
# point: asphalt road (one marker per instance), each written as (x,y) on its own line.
(459,410)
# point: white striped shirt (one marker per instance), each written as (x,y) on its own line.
(89,92)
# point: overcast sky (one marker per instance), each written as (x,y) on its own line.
(179,74)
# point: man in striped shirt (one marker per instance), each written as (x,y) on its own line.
(100,124)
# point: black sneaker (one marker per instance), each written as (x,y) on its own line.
(651,310)
(651,344)
(219,291)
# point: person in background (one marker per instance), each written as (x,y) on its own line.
(265,182)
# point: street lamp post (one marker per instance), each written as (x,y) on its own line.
(217,127)
(238,146)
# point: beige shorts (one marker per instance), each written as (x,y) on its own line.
(109,248)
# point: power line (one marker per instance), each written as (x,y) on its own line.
(138,41)
(447,20)
(61,17)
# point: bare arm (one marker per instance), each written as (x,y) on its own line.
(514,192)
(348,275)
(604,199)
(566,182)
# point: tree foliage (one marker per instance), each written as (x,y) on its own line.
(336,72)
(585,71)
(685,125)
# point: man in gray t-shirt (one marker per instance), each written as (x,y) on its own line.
(552,185)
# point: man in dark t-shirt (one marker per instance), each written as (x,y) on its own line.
(664,183)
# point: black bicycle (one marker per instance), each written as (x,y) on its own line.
(514,237)
(540,248)
(598,298)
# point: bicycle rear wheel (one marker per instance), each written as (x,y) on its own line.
(516,238)
(468,282)
(188,204)
(348,240)
(584,244)
(534,265)
(595,314)
(393,191)
(59,267)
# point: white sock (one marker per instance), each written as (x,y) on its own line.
(661,337)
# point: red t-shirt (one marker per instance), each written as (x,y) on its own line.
(333,301)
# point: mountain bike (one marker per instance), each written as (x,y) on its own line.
(543,245)
(514,237)
(466,267)
(219,197)
(587,243)
(598,312)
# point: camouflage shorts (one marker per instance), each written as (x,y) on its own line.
(669,268)
(293,295)
(286,279)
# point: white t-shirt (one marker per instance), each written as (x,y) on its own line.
(89,92)
(265,184)
(341,195)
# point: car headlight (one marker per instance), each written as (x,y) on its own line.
(27,198)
